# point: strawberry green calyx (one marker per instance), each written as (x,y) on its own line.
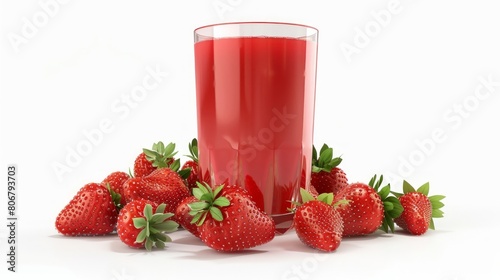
(324,197)
(193,150)
(325,162)
(160,155)
(176,165)
(209,202)
(116,197)
(435,200)
(153,227)
(392,206)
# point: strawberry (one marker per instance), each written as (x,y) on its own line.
(150,160)
(90,212)
(138,227)
(183,217)
(369,208)
(317,223)
(192,165)
(163,185)
(326,176)
(115,181)
(229,220)
(418,209)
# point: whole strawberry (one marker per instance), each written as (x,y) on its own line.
(183,217)
(138,227)
(326,177)
(163,185)
(158,157)
(115,180)
(90,212)
(368,208)
(317,223)
(229,220)
(418,209)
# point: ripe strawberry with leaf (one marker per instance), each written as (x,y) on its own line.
(151,159)
(164,185)
(419,209)
(326,176)
(139,227)
(229,220)
(90,212)
(370,208)
(317,222)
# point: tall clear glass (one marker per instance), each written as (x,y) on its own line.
(255,93)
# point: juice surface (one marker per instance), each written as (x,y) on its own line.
(255,104)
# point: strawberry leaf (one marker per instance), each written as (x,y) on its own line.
(139,222)
(424,189)
(222,202)
(326,198)
(437,213)
(161,208)
(160,244)
(193,150)
(116,197)
(148,211)
(158,217)
(305,195)
(407,188)
(436,197)
(437,204)
(141,236)
(431,224)
(216,214)
(167,226)
(149,244)
(184,173)
(198,205)
(384,192)
(217,190)
(397,208)
(388,206)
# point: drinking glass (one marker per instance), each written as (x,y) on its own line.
(255,95)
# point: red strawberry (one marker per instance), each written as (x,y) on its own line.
(317,222)
(164,185)
(149,160)
(138,227)
(229,220)
(368,209)
(418,209)
(326,176)
(116,181)
(90,212)
(184,218)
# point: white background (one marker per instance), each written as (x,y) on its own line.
(68,66)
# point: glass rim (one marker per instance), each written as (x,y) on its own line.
(255,23)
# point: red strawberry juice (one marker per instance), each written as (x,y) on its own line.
(255,108)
